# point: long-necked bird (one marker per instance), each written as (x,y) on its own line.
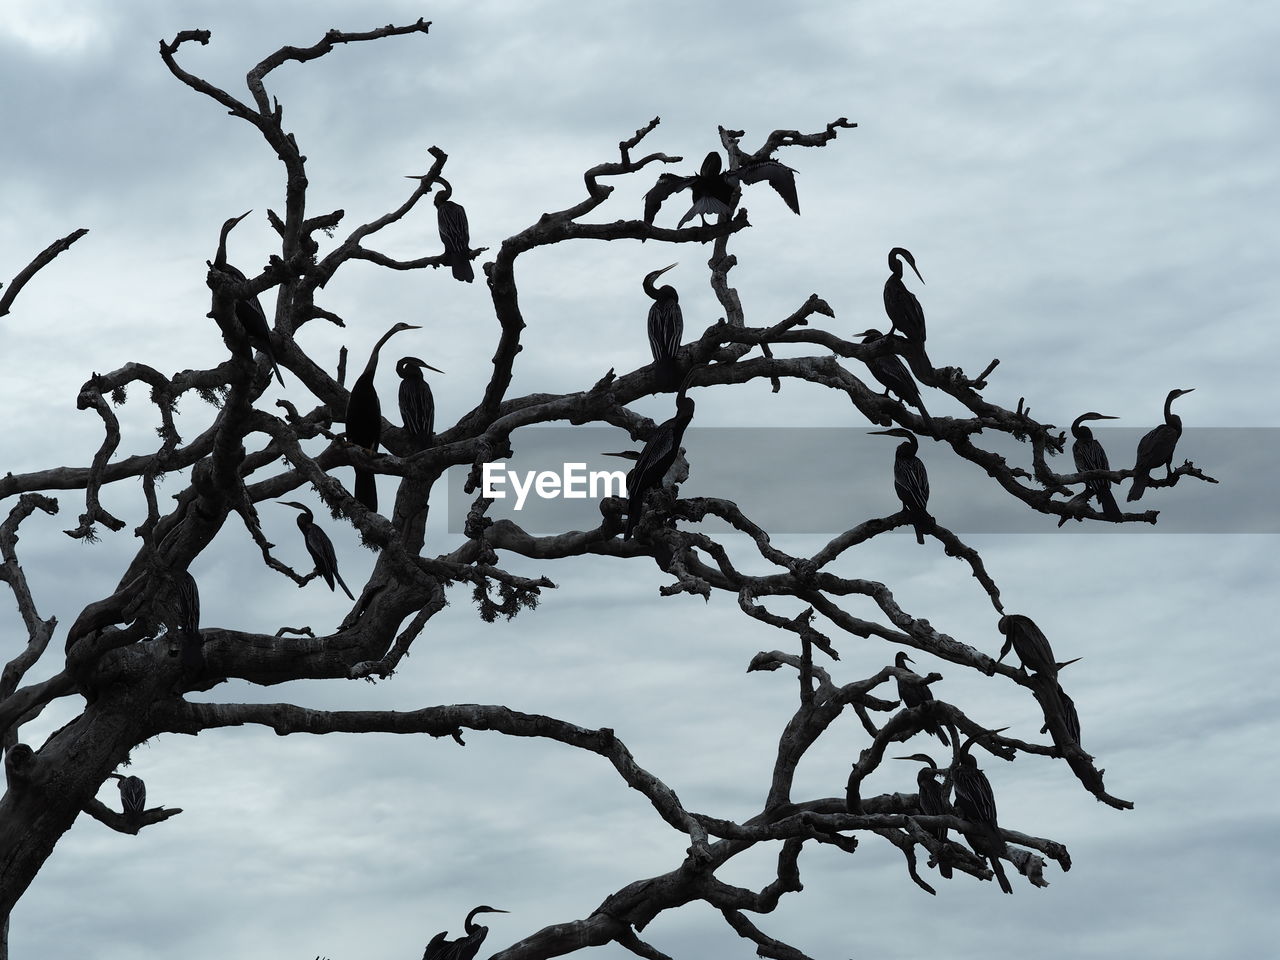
(913,692)
(319,546)
(417,405)
(364,418)
(463,948)
(910,480)
(1156,448)
(1089,455)
(900,304)
(933,800)
(658,455)
(666,328)
(976,803)
(893,375)
(248,311)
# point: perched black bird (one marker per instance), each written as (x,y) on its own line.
(1029,643)
(249,312)
(464,948)
(455,233)
(712,188)
(910,480)
(912,693)
(184,630)
(1089,455)
(933,800)
(900,304)
(976,803)
(364,418)
(666,327)
(1156,448)
(1069,716)
(417,406)
(133,796)
(656,458)
(319,546)
(894,375)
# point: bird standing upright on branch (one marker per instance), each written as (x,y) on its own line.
(364,418)
(248,311)
(933,800)
(1089,455)
(417,405)
(900,304)
(910,480)
(976,803)
(455,232)
(1156,448)
(666,327)
(657,456)
(914,692)
(133,796)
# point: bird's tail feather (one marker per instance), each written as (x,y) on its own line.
(1107,500)
(462,269)
(1139,485)
(343,585)
(366,488)
(668,373)
(998,869)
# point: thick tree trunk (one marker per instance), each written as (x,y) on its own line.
(67,772)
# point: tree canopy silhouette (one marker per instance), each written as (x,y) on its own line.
(131,659)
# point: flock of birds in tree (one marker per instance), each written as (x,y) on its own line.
(712,190)
(974,799)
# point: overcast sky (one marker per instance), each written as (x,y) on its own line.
(1090,194)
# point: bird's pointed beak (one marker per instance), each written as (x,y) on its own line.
(1008,645)
(1188,390)
(242,216)
(880,433)
(672,266)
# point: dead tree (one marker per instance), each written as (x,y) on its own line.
(120,656)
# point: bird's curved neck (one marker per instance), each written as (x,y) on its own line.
(1169,417)
(470,924)
(220,258)
(446,191)
(908,448)
(665,292)
(371,367)
(1080,431)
